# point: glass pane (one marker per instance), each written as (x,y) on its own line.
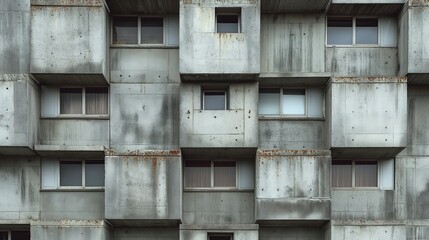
(367,31)
(198,174)
(227,23)
(225,174)
(269,101)
(220,237)
(71,100)
(340,31)
(366,173)
(214,100)
(294,101)
(341,173)
(3,236)
(70,173)
(124,30)
(20,235)
(96,101)
(152,30)
(94,173)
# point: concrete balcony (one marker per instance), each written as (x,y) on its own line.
(143,7)
(64,53)
(71,229)
(206,53)
(143,188)
(234,127)
(19,109)
(366,7)
(413,44)
(282,6)
(367,117)
(285,198)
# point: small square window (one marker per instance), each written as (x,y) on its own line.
(20,235)
(220,236)
(96,101)
(340,31)
(214,100)
(124,30)
(70,173)
(198,174)
(269,101)
(293,101)
(152,30)
(94,173)
(71,101)
(210,174)
(225,174)
(228,23)
(87,173)
(366,30)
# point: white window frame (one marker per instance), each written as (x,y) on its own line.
(83,174)
(212,187)
(306,107)
(231,14)
(354,174)
(214,90)
(354,33)
(83,102)
(139,31)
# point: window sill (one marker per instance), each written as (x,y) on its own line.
(73,190)
(155,46)
(358,46)
(358,189)
(216,190)
(288,118)
(86,117)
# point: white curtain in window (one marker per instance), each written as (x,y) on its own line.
(341,174)
(366,174)
(224,173)
(96,101)
(71,100)
(198,174)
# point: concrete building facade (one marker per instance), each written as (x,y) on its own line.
(214,120)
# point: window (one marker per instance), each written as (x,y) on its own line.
(354,173)
(84,101)
(298,102)
(87,173)
(210,174)
(352,31)
(215,100)
(14,235)
(220,236)
(228,20)
(126,30)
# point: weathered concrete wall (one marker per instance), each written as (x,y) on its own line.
(20,184)
(15,36)
(301,48)
(283,134)
(70,230)
(19,111)
(63,205)
(235,127)
(146,233)
(74,132)
(293,185)
(418,35)
(240,232)
(294,6)
(354,62)
(204,51)
(150,66)
(144,187)
(417,231)
(356,102)
(61,45)
(218,208)
(290,233)
(144,116)
(367,230)
(363,205)
(403,42)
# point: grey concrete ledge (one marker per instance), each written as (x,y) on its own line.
(68,3)
(76,118)
(295,75)
(281,118)
(219,190)
(304,152)
(67,148)
(73,190)
(395,79)
(220,227)
(14,77)
(143,47)
(167,153)
(418,3)
(367,222)
(71,223)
